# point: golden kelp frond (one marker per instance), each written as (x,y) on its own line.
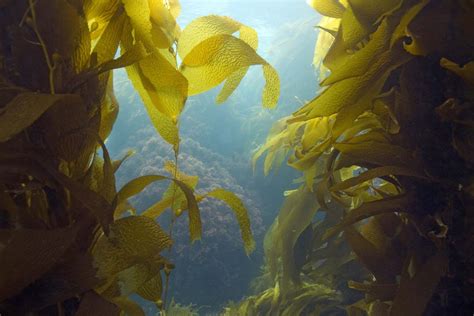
(327,30)
(162,88)
(172,169)
(294,217)
(206,27)
(174,195)
(279,141)
(201,47)
(215,60)
(332,8)
(129,258)
(301,301)
(137,185)
(374,147)
(177,197)
(57,107)
(241,213)
(209,26)
(98,14)
(466,72)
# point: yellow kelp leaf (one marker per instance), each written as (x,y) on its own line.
(165,126)
(231,84)
(294,217)
(316,130)
(139,13)
(353,30)
(329,8)
(354,95)
(108,110)
(208,26)
(466,71)
(204,28)
(372,152)
(371,257)
(81,55)
(137,185)
(164,84)
(216,58)
(131,238)
(98,14)
(427,38)
(161,86)
(304,161)
(316,140)
(376,173)
(191,181)
(241,213)
(359,62)
(410,14)
(28,254)
(24,110)
(117,163)
(280,135)
(414,293)
(133,278)
(385,292)
(152,289)
(173,193)
(108,186)
(347,115)
(370,12)
(195,224)
(398,203)
(107,45)
(174,7)
(328,30)
(163,20)
(136,53)
(109,259)
(158,208)
(100,178)
(124,207)
(139,236)
(271,90)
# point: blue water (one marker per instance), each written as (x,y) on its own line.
(217,144)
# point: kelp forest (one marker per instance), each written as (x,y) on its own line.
(377,217)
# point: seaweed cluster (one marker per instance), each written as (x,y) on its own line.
(381,223)
(70,241)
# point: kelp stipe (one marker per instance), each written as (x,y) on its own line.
(70,242)
(386,156)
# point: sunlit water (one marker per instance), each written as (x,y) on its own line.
(217,143)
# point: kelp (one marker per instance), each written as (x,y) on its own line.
(386,160)
(70,241)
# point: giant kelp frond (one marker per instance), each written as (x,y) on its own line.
(64,230)
(302,301)
(208,50)
(384,148)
